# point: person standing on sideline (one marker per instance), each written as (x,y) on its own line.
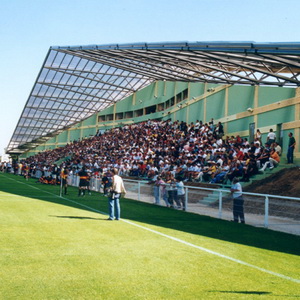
(83,182)
(157,191)
(180,193)
(171,190)
(238,201)
(64,178)
(105,183)
(114,199)
(290,152)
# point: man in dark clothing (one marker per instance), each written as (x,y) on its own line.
(105,183)
(83,181)
(290,152)
(64,177)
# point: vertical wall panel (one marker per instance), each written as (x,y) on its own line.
(215,106)
(240,98)
(268,95)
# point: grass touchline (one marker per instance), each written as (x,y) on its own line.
(170,237)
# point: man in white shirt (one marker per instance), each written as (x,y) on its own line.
(257,150)
(271,137)
(238,201)
(114,199)
(180,193)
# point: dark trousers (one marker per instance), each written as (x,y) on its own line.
(290,155)
(238,209)
(172,197)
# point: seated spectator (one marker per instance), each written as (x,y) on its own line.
(263,158)
(257,150)
(278,148)
(219,178)
(239,153)
(208,172)
(142,169)
(236,170)
(135,170)
(198,174)
(274,160)
(170,148)
(250,168)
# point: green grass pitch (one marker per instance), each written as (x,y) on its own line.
(64,248)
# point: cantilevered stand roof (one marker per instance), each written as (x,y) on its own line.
(76,82)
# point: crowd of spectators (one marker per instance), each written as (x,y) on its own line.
(198,152)
(5,167)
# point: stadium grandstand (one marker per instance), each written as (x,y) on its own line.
(180,122)
(82,91)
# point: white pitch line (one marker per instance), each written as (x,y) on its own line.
(215,253)
(176,239)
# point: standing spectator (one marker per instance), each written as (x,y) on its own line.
(83,182)
(160,191)
(180,193)
(105,184)
(55,171)
(271,137)
(197,127)
(64,177)
(258,136)
(89,177)
(290,152)
(26,171)
(238,201)
(171,189)
(211,125)
(8,167)
(219,130)
(156,188)
(114,200)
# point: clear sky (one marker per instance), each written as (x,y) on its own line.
(29,27)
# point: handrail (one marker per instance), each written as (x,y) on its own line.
(227,191)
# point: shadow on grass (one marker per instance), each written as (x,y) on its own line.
(79,218)
(243,292)
(157,216)
(255,293)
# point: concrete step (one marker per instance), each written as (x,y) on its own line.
(210,198)
(214,196)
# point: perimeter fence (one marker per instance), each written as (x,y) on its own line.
(261,210)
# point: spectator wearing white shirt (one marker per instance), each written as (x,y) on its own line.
(271,137)
(180,194)
(114,200)
(238,201)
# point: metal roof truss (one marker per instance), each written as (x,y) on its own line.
(76,82)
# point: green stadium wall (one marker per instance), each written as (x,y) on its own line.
(235,106)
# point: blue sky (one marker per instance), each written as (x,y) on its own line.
(29,27)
